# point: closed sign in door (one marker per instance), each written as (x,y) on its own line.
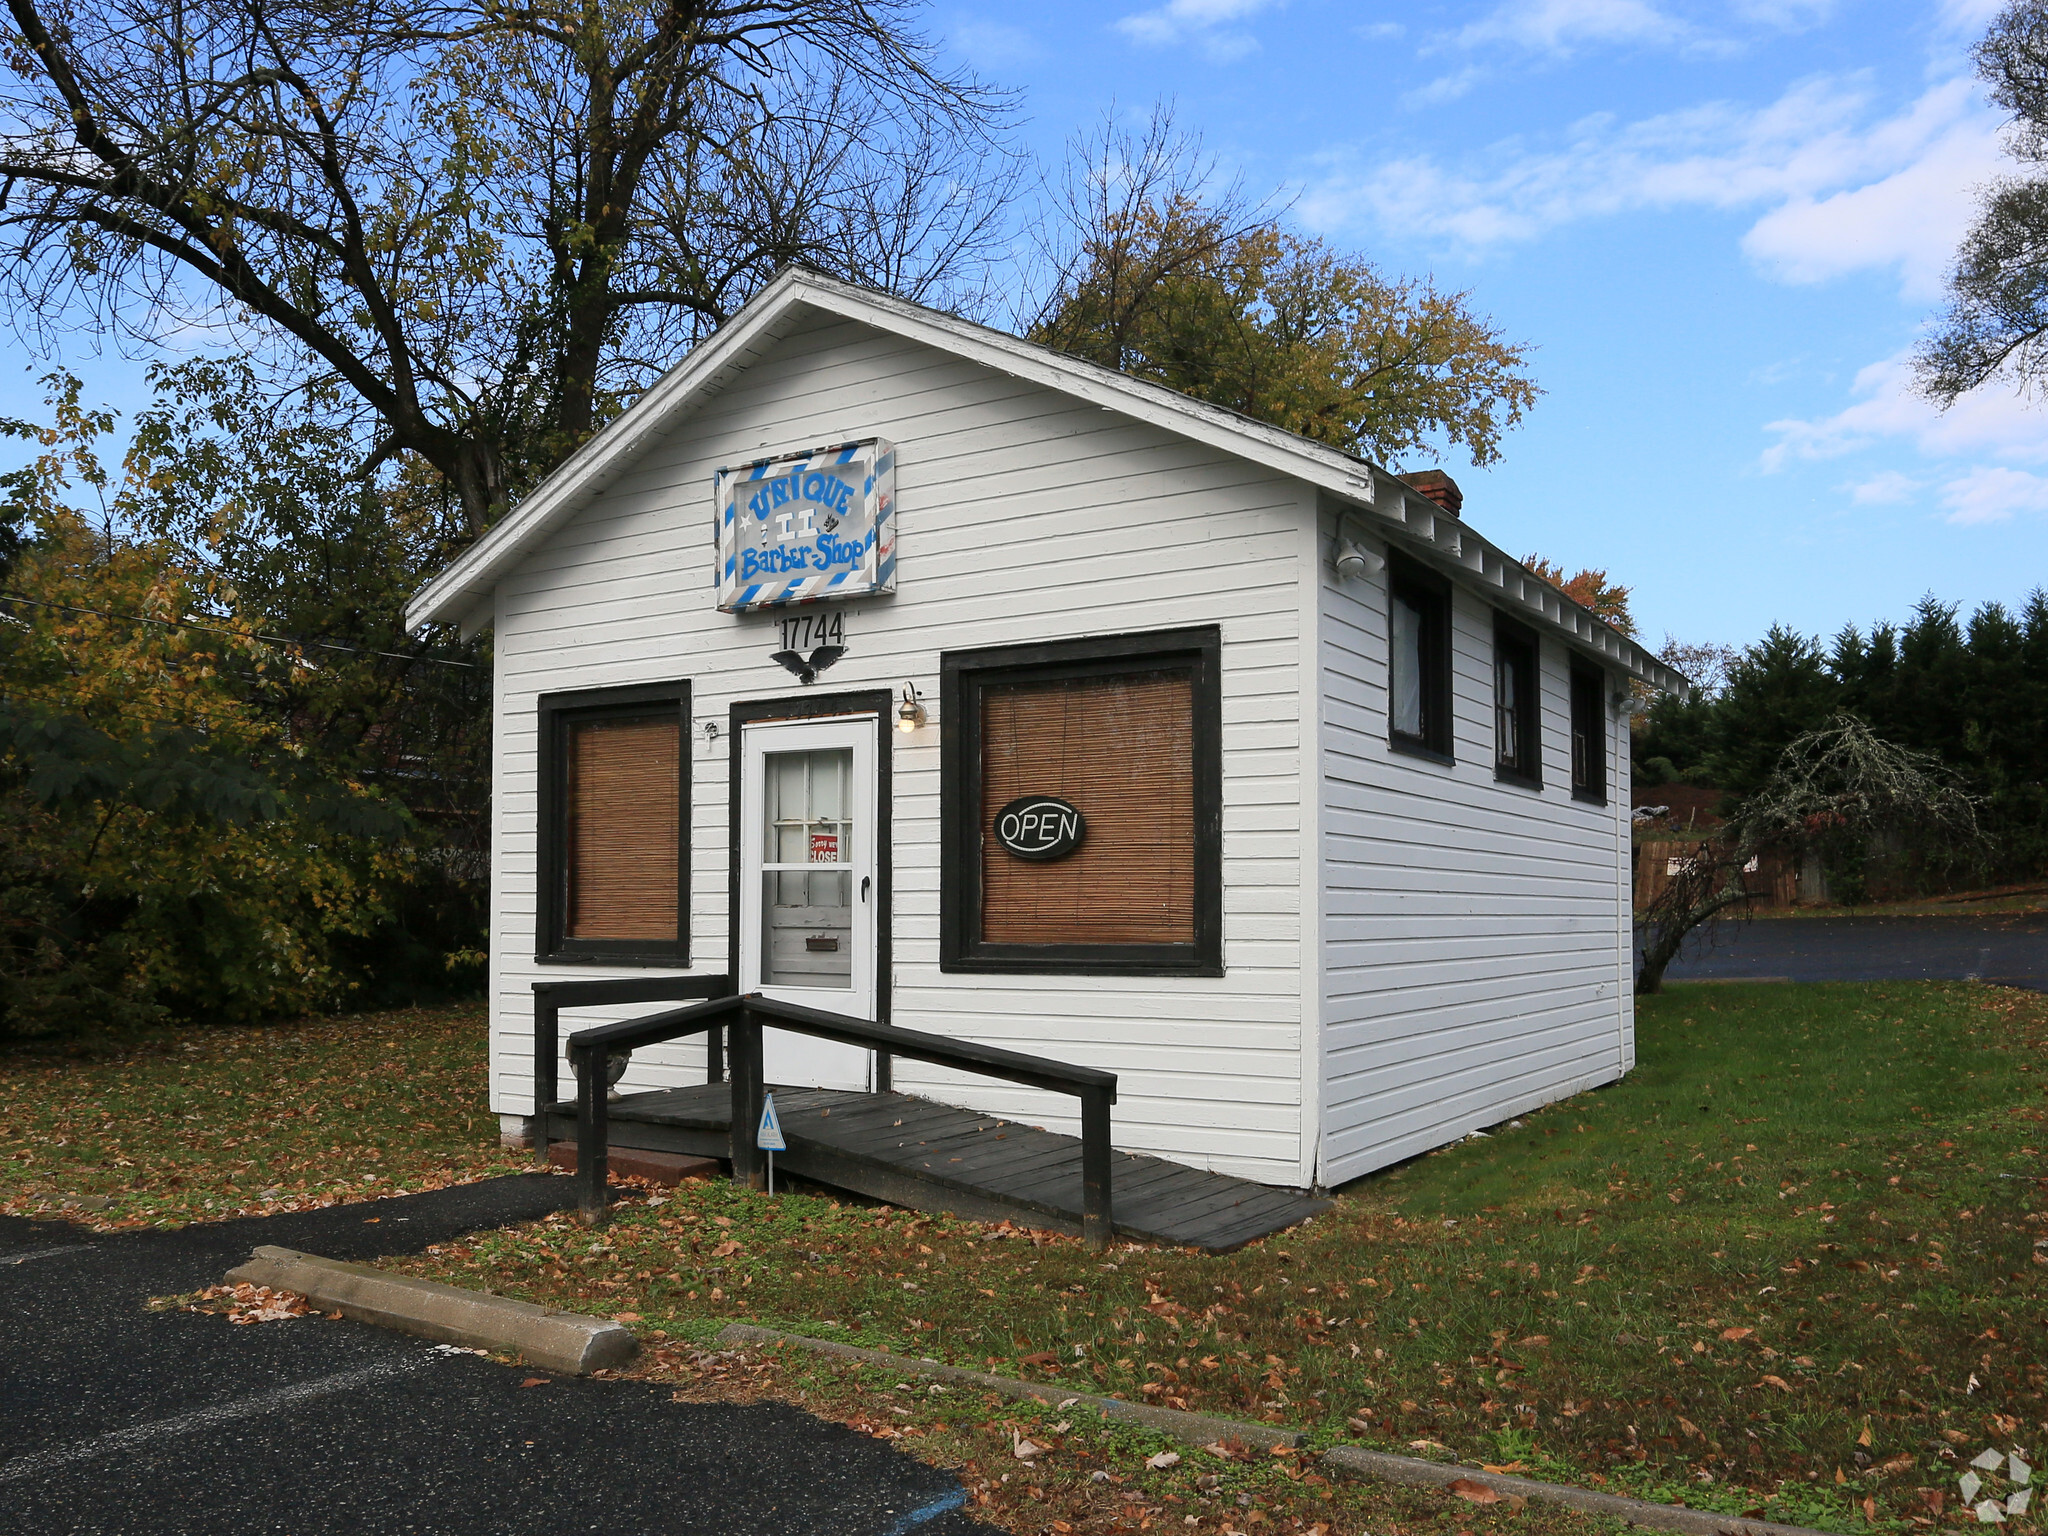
(1040,827)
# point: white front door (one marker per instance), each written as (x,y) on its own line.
(808,900)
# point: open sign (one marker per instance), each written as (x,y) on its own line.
(1040,828)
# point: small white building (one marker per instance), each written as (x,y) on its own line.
(899,667)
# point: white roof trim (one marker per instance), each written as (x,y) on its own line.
(1389,507)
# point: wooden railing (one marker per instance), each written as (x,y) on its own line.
(743,1019)
(551,997)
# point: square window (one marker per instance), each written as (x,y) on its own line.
(613,826)
(1589,734)
(1517,706)
(1418,661)
(1080,807)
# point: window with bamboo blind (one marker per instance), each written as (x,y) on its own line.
(615,840)
(1127,730)
(1121,749)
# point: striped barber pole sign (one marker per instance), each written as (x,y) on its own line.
(804,527)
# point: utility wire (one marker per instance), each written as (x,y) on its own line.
(325,645)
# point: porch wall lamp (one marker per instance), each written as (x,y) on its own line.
(910,713)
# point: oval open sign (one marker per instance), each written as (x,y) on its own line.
(1040,827)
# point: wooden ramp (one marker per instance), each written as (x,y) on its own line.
(934,1157)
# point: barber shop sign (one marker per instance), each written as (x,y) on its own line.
(802,527)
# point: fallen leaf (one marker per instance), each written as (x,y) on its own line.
(534,1381)
(1534,1341)
(1503,1466)
(1163,1460)
(1737,1335)
(625,1317)
(1473,1493)
(1775,1381)
(725,1250)
(1864,1438)
(1023,1449)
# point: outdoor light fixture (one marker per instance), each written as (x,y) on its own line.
(1354,560)
(910,713)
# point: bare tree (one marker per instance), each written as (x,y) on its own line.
(1133,209)
(1997,320)
(1836,791)
(479,226)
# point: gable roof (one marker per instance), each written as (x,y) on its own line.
(1377,500)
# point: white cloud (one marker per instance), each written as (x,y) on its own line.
(1786,15)
(1445,88)
(1993,494)
(1380,31)
(1946,149)
(1206,24)
(1887,488)
(1988,422)
(1839,188)
(1969,17)
(1559,26)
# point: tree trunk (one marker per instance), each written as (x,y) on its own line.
(1668,936)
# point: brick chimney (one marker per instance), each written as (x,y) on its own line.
(1438,487)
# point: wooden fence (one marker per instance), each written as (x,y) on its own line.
(1771,879)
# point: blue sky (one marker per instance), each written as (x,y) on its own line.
(1722,227)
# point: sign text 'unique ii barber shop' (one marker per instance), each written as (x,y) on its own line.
(1040,828)
(807,526)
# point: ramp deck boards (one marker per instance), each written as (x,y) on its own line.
(935,1157)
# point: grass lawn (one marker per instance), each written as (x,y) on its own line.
(230,1122)
(1790,1264)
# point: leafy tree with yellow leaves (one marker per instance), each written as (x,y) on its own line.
(1166,277)
(171,843)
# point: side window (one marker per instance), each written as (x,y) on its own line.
(613,833)
(1589,734)
(1418,662)
(1517,706)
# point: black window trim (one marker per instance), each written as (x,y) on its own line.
(1597,677)
(1528,707)
(879,702)
(1436,743)
(556,712)
(962,675)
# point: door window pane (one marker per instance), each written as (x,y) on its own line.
(807,878)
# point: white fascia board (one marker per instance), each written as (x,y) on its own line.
(1402,515)
(469,579)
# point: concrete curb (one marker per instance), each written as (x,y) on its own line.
(1353,1461)
(568,1342)
(1382,1466)
(1196,1429)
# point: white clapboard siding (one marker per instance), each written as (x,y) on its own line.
(1023,515)
(1474,957)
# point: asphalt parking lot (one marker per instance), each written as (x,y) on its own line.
(2009,951)
(119,1420)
